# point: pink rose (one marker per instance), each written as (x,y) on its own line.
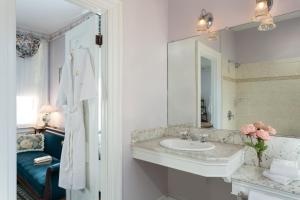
(263,134)
(253,134)
(247,129)
(271,130)
(259,125)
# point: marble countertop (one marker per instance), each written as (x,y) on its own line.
(222,153)
(253,175)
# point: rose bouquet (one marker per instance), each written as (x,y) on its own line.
(258,133)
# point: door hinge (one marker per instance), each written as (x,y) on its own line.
(99,40)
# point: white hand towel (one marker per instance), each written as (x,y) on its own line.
(253,195)
(277,178)
(285,168)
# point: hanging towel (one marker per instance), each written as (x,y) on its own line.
(253,195)
(285,168)
(277,178)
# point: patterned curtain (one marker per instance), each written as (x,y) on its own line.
(27,44)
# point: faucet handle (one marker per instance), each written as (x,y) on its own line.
(203,137)
(184,135)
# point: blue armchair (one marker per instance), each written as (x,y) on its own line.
(42,180)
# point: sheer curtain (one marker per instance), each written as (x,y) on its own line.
(32,85)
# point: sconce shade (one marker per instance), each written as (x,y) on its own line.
(212,35)
(267,24)
(202,25)
(262,9)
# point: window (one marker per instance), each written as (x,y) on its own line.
(27,110)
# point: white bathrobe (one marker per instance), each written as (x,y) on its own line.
(77,84)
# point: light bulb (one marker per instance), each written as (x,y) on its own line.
(202,22)
(261,10)
(261,5)
(202,25)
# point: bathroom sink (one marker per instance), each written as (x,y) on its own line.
(186,145)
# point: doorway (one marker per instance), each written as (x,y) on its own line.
(44,51)
(206,93)
(208,69)
(111,12)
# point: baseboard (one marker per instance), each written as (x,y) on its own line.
(165,198)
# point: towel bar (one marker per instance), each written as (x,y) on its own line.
(242,196)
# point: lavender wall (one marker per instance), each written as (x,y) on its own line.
(144,91)
(282,42)
(183,14)
(186,186)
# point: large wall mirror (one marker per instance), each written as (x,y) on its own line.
(242,77)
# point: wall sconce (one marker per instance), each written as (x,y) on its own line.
(262,9)
(205,21)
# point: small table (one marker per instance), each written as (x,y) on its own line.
(39,129)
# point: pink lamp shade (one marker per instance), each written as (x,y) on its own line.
(48,109)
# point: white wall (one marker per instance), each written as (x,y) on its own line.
(7,100)
(144,91)
(57,59)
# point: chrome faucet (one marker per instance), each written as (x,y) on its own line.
(185,135)
(203,138)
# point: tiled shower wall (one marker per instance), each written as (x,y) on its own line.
(265,91)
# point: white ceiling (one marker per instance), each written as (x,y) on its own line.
(46,16)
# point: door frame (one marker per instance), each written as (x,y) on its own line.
(111,150)
(216,86)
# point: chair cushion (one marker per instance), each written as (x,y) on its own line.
(35,175)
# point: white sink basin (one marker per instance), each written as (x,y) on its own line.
(186,145)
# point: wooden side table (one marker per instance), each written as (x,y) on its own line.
(39,129)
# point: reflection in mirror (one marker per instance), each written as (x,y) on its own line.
(206,90)
(194,84)
(259,81)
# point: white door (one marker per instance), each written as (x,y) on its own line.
(84,35)
(216,104)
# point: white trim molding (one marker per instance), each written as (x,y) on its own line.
(111,147)
(8,100)
(111,170)
(112,59)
